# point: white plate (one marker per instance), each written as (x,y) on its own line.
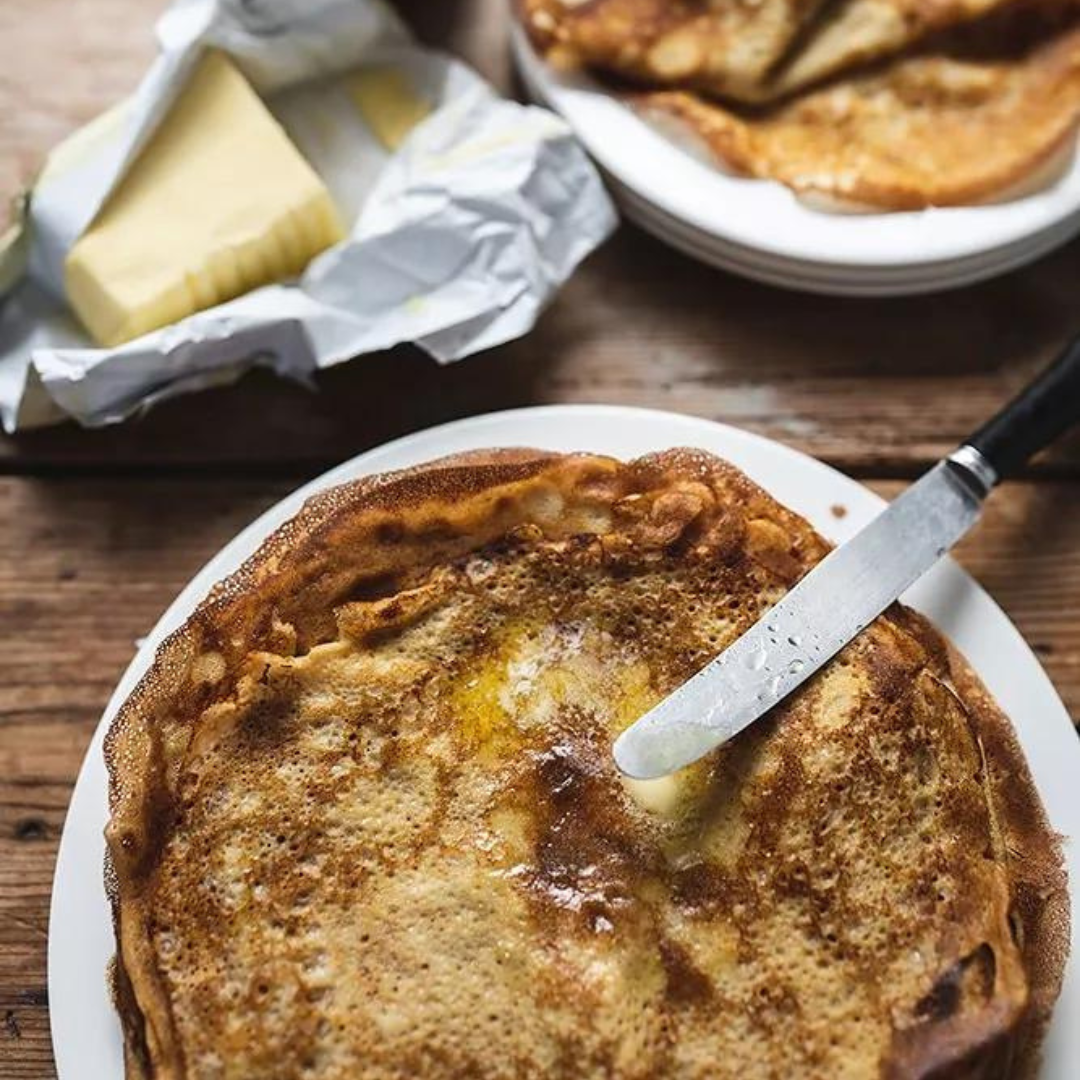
(766,217)
(85,1031)
(817,277)
(714,253)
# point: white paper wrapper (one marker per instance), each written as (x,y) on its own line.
(458,239)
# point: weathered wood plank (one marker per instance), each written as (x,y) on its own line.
(872,385)
(64,61)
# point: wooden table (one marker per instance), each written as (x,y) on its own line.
(99,530)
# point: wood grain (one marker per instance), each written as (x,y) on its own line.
(62,63)
(873,386)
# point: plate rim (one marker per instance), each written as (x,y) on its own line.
(1032,247)
(701,247)
(70,1012)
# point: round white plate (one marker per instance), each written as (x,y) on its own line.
(836,280)
(766,217)
(85,1031)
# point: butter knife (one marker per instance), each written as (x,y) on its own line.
(851,586)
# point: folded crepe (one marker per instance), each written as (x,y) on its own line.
(751,52)
(851,33)
(972,116)
(721,47)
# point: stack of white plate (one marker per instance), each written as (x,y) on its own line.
(759,229)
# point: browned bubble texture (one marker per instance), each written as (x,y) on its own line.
(366,822)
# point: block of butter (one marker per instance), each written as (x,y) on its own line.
(218,202)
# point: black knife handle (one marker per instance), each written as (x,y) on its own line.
(1034,419)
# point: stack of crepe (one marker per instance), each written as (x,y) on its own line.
(894,104)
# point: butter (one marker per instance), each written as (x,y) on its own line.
(661,796)
(388,103)
(219,202)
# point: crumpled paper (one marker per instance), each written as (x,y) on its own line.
(458,240)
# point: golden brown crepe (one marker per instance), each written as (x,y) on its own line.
(724,47)
(942,127)
(852,32)
(365,821)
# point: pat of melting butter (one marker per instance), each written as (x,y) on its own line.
(388,103)
(662,796)
(530,672)
(219,202)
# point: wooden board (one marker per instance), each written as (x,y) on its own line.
(874,387)
(99,530)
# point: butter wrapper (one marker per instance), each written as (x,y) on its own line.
(457,237)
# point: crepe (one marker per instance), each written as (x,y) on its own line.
(943,127)
(365,821)
(723,47)
(852,32)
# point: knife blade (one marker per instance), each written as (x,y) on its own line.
(850,587)
(846,591)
